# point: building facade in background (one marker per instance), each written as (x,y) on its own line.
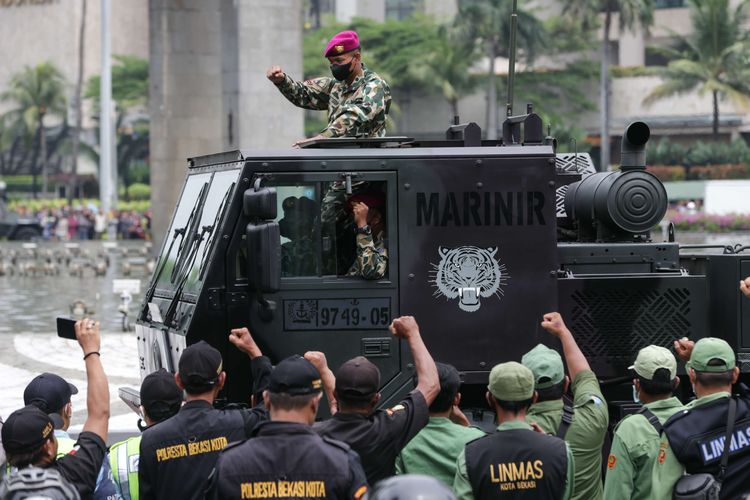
(209,92)
(33,32)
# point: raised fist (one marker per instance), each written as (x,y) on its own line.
(404,327)
(275,74)
(554,324)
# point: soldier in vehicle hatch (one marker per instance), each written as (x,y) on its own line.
(357,99)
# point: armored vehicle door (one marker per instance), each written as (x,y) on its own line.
(323,303)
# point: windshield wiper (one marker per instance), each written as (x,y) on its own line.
(214,227)
(192,229)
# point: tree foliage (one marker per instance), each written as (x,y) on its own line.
(713,59)
(129,83)
(36,92)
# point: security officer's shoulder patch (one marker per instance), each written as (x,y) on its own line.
(592,398)
(397,408)
(335,442)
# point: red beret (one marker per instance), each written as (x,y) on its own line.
(373,199)
(341,43)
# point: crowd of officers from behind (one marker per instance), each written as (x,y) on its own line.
(547,444)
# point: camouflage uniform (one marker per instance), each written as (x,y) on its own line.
(356,110)
(298,258)
(372,258)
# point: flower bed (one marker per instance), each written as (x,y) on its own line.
(710,223)
(672,173)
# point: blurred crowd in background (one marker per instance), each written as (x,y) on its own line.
(89,223)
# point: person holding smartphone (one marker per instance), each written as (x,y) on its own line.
(28,436)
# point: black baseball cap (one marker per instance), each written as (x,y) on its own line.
(295,376)
(200,366)
(358,378)
(26,430)
(160,394)
(48,392)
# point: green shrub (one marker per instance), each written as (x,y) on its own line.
(666,152)
(139,191)
(668,173)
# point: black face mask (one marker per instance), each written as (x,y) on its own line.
(342,71)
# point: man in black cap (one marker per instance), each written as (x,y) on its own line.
(51,394)
(177,456)
(285,458)
(378,436)
(28,435)
(160,400)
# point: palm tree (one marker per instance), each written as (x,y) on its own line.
(446,67)
(37,92)
(488,22)
(712,59)
(632,13)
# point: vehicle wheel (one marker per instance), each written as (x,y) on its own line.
(26,234)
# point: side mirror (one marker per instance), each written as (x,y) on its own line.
(259,203)
(263,256)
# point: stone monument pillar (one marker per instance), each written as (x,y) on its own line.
(208,88)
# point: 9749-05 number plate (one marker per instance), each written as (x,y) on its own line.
(337,314)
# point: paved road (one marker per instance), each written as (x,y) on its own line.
(24,355)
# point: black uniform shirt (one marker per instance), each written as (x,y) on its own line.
(288,460)
(178,454)
(379,438)
(81,466)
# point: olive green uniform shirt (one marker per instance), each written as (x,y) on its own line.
(462,486)
(356,110)
(585,435)
(435,449)
(635,448)
(667,469)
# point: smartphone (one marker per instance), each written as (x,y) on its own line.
(66,327)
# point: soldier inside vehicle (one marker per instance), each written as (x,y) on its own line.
(346,236)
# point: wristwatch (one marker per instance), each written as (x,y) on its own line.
(364,230)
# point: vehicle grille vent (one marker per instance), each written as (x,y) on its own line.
(743,359)
(572,163)
(615,324)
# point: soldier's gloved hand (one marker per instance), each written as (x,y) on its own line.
(318,360)
(404,327)
(275,74)
(554,324)
(684,348)
(745,286)
(242,340)
(360,211)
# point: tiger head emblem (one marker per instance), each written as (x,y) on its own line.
(468,273)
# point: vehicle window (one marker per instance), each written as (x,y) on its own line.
(318,231)
(187,210)
(298,218)
(354,256)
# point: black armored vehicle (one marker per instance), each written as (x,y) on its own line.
(482,238)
